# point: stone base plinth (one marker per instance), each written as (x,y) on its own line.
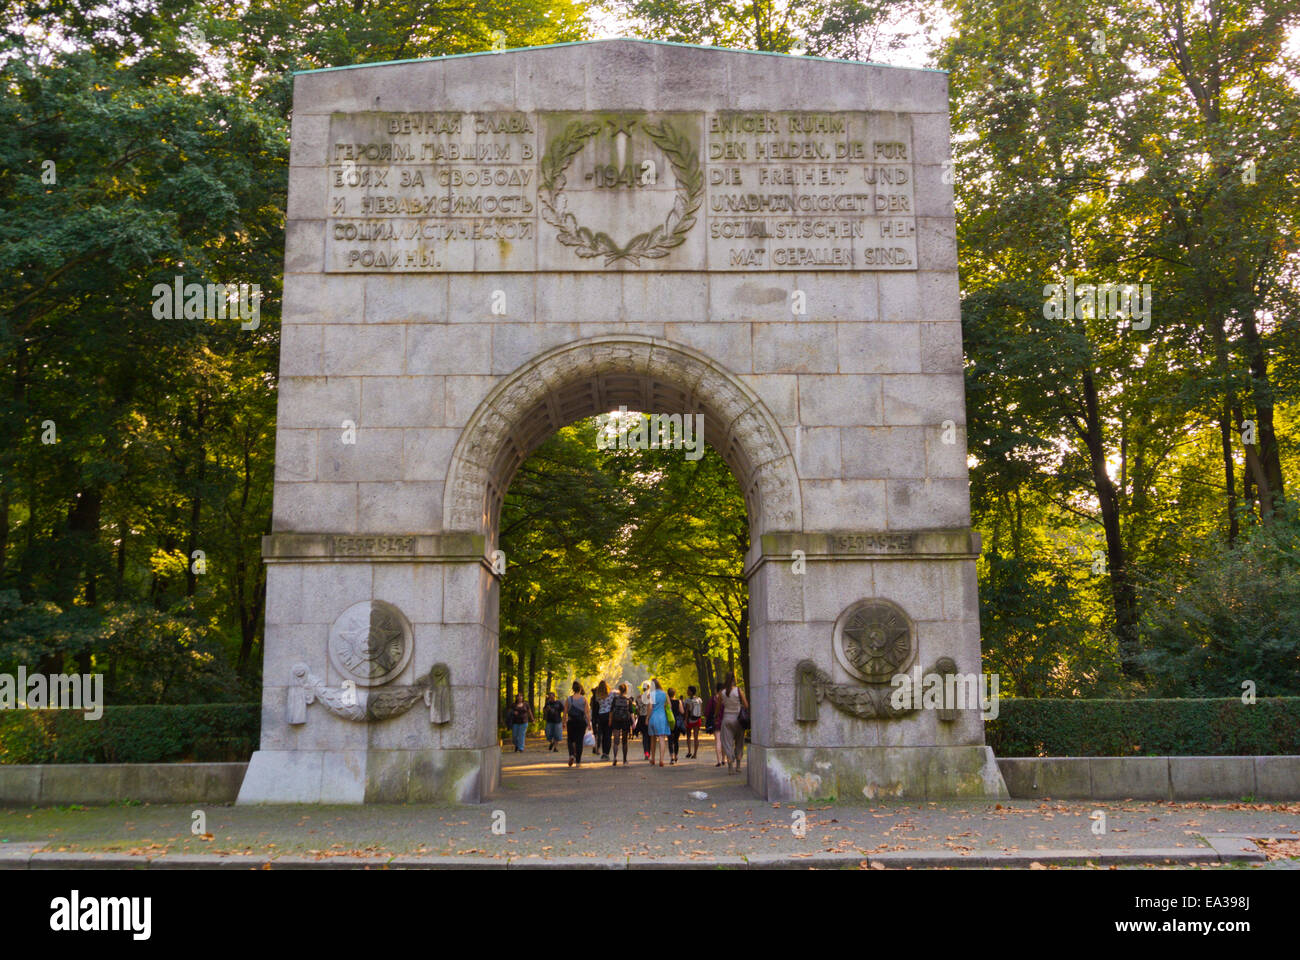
(862,774)
(371,776)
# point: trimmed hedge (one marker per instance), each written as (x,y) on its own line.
(209,732)
(1024,728)
(1126,728)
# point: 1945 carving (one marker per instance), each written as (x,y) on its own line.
(654,244)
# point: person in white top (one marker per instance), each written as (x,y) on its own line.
(732,733)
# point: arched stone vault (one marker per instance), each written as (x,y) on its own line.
(595,376)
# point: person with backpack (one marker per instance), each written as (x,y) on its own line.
(694,720)
(553,715)
(620,721)
(577,713)
(601,700)
(643,706)
(521,715)
(678,724)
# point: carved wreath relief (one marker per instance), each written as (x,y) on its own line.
(369,644)
(653,244)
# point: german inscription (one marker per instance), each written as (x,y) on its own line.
(453,191)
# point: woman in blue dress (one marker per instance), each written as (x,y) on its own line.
(659,725)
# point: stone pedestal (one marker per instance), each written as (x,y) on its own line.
(860,774)
(446,594)
(371,776)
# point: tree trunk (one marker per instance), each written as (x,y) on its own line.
(701,670)
(532,679)
(10,474)
(510,681)
(191,545)
(250,616)
(1229,472)
(1123,595)
(83,537)
(744,643)
(4,523)
(119,577)
(158,584)
(1247,492)
(26,566)
(196,504)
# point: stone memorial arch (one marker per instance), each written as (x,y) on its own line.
(482,249)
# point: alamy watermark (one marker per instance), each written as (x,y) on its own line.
(946,691)
(1098,301)
(208,301)
(75,913)
(61,691)
(656,431)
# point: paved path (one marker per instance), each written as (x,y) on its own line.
(539,774)
(639,815)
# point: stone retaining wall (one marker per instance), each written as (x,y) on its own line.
(53,784)
(1152,778)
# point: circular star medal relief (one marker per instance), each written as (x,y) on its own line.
(874,640)
(370,643)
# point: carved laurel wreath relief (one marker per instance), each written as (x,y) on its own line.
(653,244)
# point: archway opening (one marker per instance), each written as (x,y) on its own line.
(624,537)
(651,377)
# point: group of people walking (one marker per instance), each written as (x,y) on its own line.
(609,719)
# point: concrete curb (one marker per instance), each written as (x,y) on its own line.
(1235,848)
(1217,850)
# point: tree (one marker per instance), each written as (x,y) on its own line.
(142,141)
(849,29)
(1105,143)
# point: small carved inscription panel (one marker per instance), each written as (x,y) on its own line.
(368,546)
(873,542)
(452,191)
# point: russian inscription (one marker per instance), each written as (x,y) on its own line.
(453,191)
